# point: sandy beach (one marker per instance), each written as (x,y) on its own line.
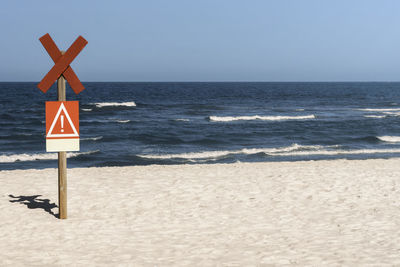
(330,213)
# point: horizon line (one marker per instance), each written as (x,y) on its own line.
(377,81)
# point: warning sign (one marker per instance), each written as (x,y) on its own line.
(62,126)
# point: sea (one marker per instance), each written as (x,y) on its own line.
(143,123)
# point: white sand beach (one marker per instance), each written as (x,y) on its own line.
(319,213)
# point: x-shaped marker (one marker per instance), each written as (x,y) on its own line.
(62,61)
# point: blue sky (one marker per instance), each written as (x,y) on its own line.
(208,40)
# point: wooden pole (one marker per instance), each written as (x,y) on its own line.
(62,160)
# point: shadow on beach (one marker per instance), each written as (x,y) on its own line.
(33,202)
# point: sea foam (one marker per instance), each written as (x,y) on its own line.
(42,156)
(293,150)
(217,154)
(340,152)
(391,113)
(379,109)
(115,104)
(389,139)
(181,120)
(123,121)
(375,116)
(256,117)
(92,138)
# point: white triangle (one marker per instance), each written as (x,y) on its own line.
(50,134)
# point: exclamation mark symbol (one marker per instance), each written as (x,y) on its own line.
(62,123)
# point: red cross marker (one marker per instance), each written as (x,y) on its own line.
(62,61)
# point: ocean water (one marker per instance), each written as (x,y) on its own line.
(126,124)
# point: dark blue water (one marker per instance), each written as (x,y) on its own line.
(178,123)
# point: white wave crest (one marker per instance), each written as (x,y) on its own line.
(123,121)
(92,138)
(115,104)
(75,154)
(181,120)
(294,150)
(87,109)
(389,139)
(379,109)
(375,116)
(216,154)
(43,156)
(264,118)
(392,113)
(340,152)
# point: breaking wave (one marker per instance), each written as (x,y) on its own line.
(293,150)
(42,156)
(115,104)
(264,118)
(375,116)
(217,154)
(389,139)
(392,113)
(341,152)
(92,138)
(380,109)
(123,121)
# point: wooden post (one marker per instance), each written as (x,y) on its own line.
(62,160)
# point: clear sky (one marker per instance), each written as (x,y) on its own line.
(207,40)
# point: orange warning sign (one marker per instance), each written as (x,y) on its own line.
(62,126)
